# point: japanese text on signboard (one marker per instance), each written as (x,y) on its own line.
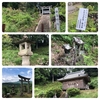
(82,19)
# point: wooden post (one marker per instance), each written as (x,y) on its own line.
(3,27)
(28,86)
(74,54)
(42,27)
(21,93)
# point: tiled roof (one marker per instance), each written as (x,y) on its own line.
(74,75)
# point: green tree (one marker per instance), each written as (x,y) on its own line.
(93,72)
(48,74)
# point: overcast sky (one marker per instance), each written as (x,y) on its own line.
(11,74)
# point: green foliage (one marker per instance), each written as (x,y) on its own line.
(10,57)
(10,50)
(50,74)
(92,5)
(40,56)
(6,42)
(94,83)
(91,8)
(73,91)
(62,11)
(92,72)
(44,90)
(50,93)
(17,20)
(91,25)
(63,27)
(88,60)
(62,8)
(90,46)
(92,93)
(41,90)
(64,38)
(92,57)
(7,88)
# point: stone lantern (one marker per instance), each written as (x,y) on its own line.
(78,45)
(67,48)
(25,50)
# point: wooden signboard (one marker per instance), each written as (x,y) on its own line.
(82,19)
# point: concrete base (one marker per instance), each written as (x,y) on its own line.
(25,60)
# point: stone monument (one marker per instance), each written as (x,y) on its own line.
(75,53)
(78,45)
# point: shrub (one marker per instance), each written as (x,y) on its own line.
(88,60)
(93,84)
(50,93)
(41,94)
(91,8)
(73,91)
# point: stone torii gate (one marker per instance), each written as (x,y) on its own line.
(24,79)
(45,9)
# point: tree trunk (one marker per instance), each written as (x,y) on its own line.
(52,78)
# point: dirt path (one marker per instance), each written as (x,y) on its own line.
(74,8)
(44,24)
(71,9)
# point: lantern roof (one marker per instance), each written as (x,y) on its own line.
(66,46)
(78,40)
(24,39)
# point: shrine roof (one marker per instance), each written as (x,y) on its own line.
(75,75)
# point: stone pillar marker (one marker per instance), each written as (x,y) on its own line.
(57,20)
(25,51)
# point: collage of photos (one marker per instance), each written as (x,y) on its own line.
(43,57)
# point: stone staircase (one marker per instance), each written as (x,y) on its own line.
(44,24)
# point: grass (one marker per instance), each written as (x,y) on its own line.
(44,88)
(25,95)
(10,57)
(40,57)
(62,23)
(92,93)
(87,94)
(20,21)
(72,21)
